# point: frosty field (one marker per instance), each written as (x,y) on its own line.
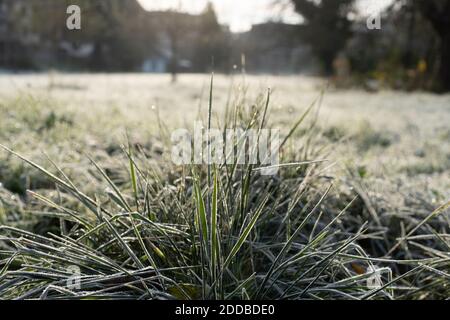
(388,151)
(400,137)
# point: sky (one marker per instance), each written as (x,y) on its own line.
(240,15)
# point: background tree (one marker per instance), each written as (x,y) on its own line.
(174,30)
(124,33)
(212,43)
(327,27)
(402,53)
(437,12)
(14,26)
(116,29)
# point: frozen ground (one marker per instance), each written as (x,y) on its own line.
(396,143)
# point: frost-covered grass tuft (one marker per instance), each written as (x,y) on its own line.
(136,226)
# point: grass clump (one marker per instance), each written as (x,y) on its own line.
(147,231)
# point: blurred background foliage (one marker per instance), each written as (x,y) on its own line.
(410,51)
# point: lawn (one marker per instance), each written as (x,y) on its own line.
(88,184)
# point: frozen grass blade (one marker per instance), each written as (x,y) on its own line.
(243,236)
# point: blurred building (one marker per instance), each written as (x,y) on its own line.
(274,47)
(174,41)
